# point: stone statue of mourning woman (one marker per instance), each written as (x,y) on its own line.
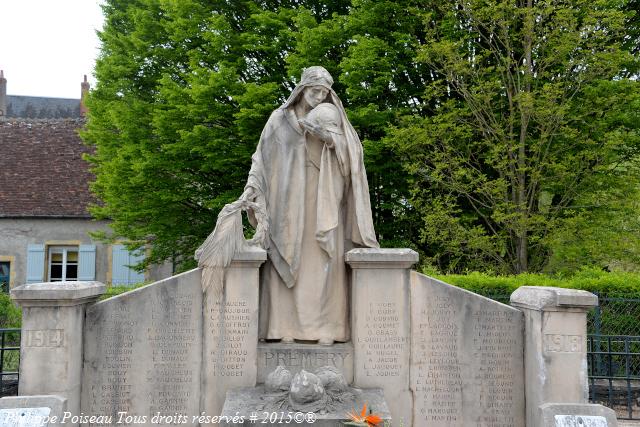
(308,183)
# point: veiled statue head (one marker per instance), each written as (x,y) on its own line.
(316,76)
(314,87)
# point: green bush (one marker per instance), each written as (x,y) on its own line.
(10,317)
(112,291)
(10,313)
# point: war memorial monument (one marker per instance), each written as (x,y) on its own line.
(308,320)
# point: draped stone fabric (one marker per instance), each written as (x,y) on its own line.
(317,200)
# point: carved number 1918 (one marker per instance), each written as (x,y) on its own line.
(44,337)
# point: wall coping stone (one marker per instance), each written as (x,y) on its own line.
(250,256)
(381,258)
(57,293)
(545,298)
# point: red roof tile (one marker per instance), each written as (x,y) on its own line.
(42,173)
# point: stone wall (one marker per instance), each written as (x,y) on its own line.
(143,351)
(466,358)
(439,354)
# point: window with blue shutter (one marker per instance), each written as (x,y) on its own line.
(87,262)
(35,263)
(122,259)
(63,264)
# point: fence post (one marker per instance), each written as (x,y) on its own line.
(597,324)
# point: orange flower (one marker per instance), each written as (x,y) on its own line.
(363,420)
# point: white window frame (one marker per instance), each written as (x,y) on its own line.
(64,250)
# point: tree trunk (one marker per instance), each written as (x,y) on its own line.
(522,253)
(522,241)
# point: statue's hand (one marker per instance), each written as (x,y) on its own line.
(317,131)
(248,195)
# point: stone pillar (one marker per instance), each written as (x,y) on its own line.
(230,342)
(51,345)
(3,95)
(380,325)
(555,345)
(84,93)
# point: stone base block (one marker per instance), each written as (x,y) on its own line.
(33,411)
(576,415)
(296,357)
(246,403)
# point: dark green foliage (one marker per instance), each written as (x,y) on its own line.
(372,53)
(632,38)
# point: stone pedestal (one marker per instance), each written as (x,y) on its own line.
(380,324)
(51,344)
(555,345)
(231,331)
(576,414)
(244,407)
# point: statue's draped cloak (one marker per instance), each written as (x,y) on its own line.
(282,174)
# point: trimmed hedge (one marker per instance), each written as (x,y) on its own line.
(619,293)
(605,284)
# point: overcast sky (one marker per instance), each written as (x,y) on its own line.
(46,46)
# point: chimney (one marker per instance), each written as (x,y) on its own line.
(84,92)
(3,95)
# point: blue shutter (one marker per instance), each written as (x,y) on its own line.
(121,259)
(119,262)
(87,262)
(136,258)
(35,263)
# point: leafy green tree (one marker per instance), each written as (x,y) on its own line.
(533,113)
(603,230)
(507,116)
(183,91)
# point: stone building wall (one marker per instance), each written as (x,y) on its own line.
(16,234)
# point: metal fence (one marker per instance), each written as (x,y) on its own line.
(615,316)
(613,355)
(614,373)
(9,361)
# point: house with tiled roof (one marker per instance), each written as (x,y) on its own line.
(45,225)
